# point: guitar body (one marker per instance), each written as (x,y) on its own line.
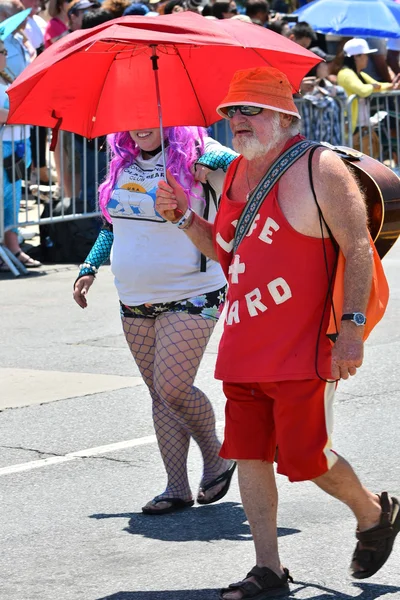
(381,187)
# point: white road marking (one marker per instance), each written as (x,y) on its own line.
(54,460)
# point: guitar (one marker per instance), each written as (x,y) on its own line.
(381,187)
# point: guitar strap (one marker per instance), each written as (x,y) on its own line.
(272,176)
(208,191)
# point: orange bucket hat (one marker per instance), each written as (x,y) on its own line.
(264,87)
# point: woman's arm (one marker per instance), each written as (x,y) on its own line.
(216,156)
(99,254)
(383,86)
(348,79)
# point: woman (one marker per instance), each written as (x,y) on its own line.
(170,296)
(354,81)
(15,140)
(57,27)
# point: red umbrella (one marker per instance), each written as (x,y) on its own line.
(100,80)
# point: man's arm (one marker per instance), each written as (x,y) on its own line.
(170,197)
(344,210)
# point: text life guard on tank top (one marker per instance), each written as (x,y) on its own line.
(276,295)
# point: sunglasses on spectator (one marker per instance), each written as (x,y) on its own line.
(4,51)
(247,111)
(233,11)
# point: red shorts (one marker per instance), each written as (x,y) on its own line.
(295,416)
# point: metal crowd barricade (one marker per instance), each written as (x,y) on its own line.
(70,202)
(377,128)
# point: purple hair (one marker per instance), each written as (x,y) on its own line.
(185,145)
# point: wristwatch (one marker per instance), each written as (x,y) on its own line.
(357,317)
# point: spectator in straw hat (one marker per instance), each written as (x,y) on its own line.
(279,382)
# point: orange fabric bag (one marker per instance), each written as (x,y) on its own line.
(378,297)
(379,293)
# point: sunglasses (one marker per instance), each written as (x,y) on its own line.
(4,52)
(248,111)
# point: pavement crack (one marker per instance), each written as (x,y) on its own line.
(39,452)
(118,460)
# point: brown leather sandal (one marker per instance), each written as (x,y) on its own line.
(269,585)
(375,545)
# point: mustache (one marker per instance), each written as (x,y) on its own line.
(239,129)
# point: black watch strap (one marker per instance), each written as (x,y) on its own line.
(348,316)
(357,317)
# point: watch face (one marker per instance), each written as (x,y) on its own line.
(359,318)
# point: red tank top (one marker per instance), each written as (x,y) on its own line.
(277,290)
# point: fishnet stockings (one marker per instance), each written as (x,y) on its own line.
(168,351)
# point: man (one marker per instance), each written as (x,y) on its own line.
(258,11)
(278,371)
(302,33)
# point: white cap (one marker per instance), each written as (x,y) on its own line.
(357,46)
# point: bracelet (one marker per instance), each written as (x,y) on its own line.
(88,266)
(186,219)
(189,221)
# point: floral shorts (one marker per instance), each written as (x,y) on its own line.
(208,305)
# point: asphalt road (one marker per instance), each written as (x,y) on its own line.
(78,459)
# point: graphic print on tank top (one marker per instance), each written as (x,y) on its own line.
(277,286)
(134,195)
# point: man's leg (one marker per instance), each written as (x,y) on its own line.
(342,483)
(378,518)
(250,440)
(260,502)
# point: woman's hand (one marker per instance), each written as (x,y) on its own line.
(201,173)
(171,199)
(81,289)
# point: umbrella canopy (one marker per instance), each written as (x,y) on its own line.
(359,18)
(8,26)
(100,81)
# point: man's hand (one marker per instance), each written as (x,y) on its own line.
(171,199)
(347,353)
(81,289)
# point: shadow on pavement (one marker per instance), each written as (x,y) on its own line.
(225,521)
(167,595)
(368,592)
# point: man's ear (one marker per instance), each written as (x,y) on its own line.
(285,120)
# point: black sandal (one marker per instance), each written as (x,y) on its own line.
(375,545)
(269,585)
(176,504)
(225,476)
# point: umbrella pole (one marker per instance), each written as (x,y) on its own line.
(169,214)
(154,59)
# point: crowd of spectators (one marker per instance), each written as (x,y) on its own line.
(341,74)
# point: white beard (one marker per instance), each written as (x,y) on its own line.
(251,147)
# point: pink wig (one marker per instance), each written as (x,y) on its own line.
(184,146)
